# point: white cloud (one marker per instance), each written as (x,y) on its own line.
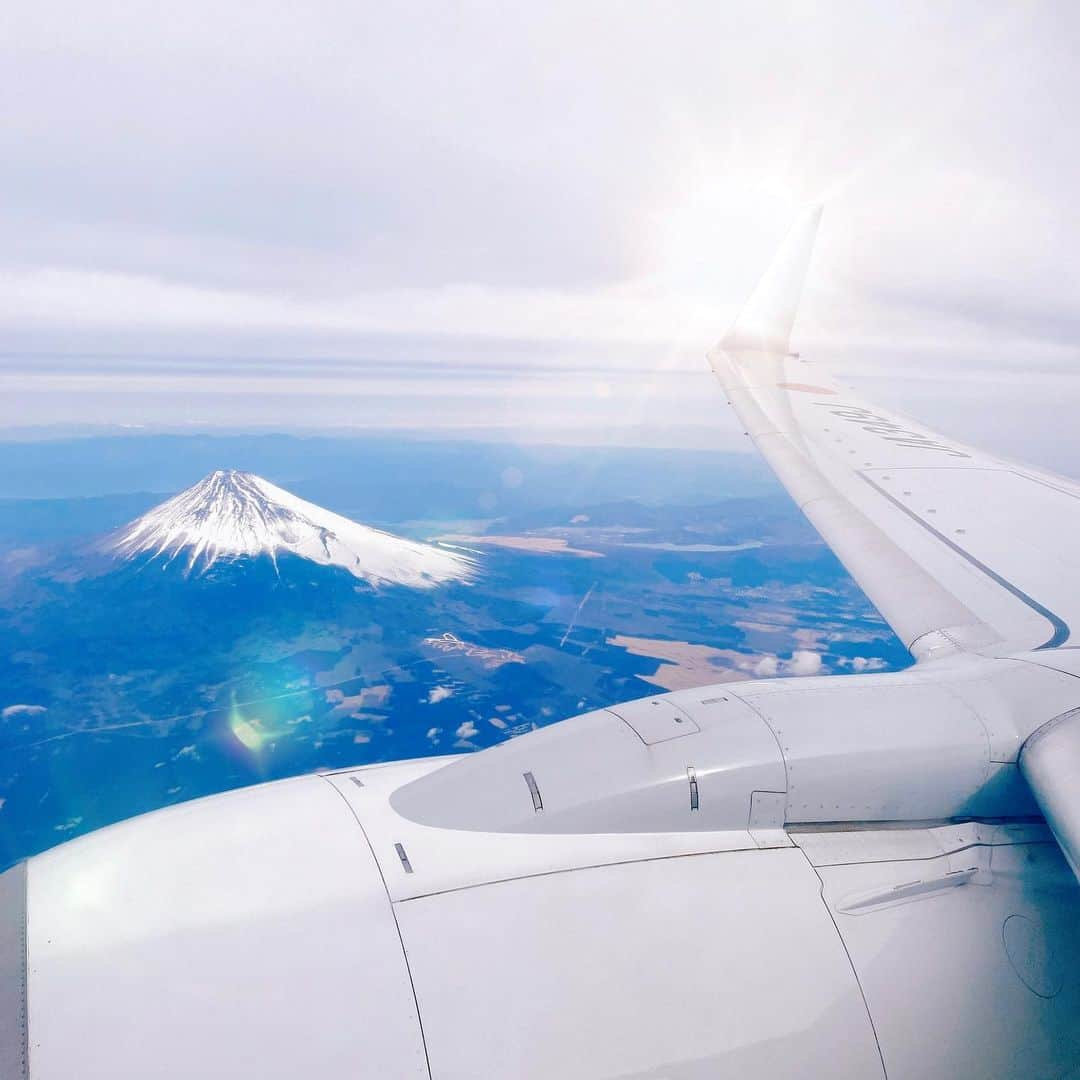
(146,220)
(865,663)
(21,710)
(439,693)
(803,662)
(767,666)
(433,734)
(467,730)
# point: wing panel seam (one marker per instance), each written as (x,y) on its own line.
(397,925)
(1061,628)
(850,960)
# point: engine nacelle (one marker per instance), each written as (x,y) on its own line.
(933,743)
(1050,762)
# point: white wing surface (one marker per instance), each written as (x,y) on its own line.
(958,549)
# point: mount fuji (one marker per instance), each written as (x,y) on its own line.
(230,516)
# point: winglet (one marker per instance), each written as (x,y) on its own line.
(765,322)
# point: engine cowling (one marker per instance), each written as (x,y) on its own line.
(927,744)
(1050,762)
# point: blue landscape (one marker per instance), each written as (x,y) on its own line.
(132,682)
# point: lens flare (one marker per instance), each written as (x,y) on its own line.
(258,734)
(249,733)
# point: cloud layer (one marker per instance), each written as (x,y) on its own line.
(571,186)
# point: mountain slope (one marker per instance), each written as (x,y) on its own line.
(232,515)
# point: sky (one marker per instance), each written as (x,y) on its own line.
(530,221)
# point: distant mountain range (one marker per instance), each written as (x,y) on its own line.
(232,516)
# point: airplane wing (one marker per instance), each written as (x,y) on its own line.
(959,550)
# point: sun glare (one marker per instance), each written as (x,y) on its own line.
(705,244)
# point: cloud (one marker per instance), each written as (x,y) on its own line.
(864,663)
(433,734)
(146,222)
(467,730)
(803,662)
(10,711)
(439,693)
(767,666)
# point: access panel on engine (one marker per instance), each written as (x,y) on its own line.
(655,719)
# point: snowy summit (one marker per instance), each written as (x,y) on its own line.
(231,515)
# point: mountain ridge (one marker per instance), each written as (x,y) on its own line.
(231,515)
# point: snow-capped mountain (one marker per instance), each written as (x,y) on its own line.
(233,515)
